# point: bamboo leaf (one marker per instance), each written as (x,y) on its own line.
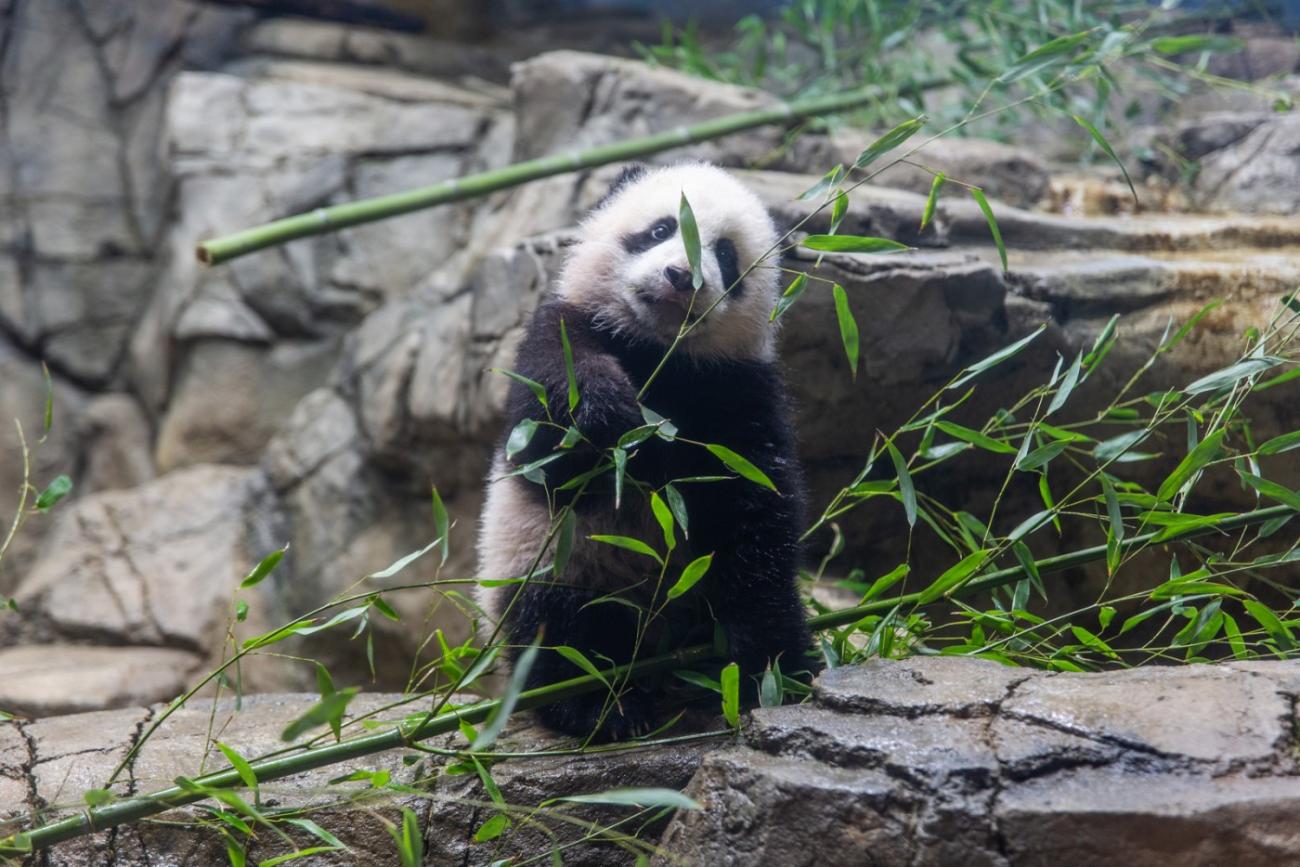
(996,358)
(1273,490)
(495,723)
(740,466)
(637,798)
(730,680)
(978,195)
(1112,508)
(620,472)
(409,840)
(1232,374)
(851,244)
(538,390)
(927,213)
(263,568)
(791,295)
(628,544)
(975,438)
(564,543)
(664,516)
(1042,456)
(491,829)
(848,327)
(905,487)
(55,491)
(1110,152)
(568,368)
(520,437)
(576,656)
(1067,385)
(240,764)
(953,577)
(1284,443)
(1045,56)
(317,831)
(1197,42)
(889,141)
(678,506)
(827,182)
(693,572)
(1206,451)
(838,210)
(691,238)
(1187,326)
(441,524)
(328,711)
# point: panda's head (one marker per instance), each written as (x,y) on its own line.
(630,271)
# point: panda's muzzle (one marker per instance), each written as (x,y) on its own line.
(678,278)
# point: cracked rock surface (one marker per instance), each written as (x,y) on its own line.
(960,761)
(926,761)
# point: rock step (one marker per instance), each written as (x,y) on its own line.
(52,679)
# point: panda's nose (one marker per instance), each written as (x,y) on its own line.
(678,278)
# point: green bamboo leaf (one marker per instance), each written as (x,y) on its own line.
(889,141)
(927,214)
(403,562)
(730,680)
(47,419)
(664,516)
(1206,451)
(851,244)
(496,722)
(1067,385)
(1187,326)
(1045,56)
(691,238)
(978,195)
(953,577)
(905,487)
(441,523)
(1197,42)
(57,490)
(564,543)
(1042,456)
(240,764)
(827,182)
(1110,152)
(1284,443)
(996,358)
(1275,628)
(1090,640)
(975,437)
(791,295)
(1116,448)
(409,839)
(665,429)
(693,572)
(263,568)
(569,374)
(1273,490)
(538,390)
(1233,633)
(740,466)
(678,506)
(1030,524)
(620,473)
(520,437)
(492,828)
(636,798)
(838,210)
(884,582)
(628,544)
(317,831)
(1112,508)
(295,855)
(1232,374)
(328,711)
(848,327)
(95,798)
(576,656)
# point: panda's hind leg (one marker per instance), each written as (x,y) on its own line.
(565,616)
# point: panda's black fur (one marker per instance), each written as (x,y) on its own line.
(736,399)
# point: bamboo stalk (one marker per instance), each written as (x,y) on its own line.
(131,809)
(323,220)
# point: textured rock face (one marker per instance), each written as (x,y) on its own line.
(924,761)
(944,761)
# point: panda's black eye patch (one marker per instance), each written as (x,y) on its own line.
(729,265)
(657,233)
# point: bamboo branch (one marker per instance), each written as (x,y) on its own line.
(323,220)
(131,809)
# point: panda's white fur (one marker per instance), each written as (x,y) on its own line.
(601,276)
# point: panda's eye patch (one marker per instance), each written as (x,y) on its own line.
(725,250)
(657,233)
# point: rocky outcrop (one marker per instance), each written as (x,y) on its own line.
(926,761)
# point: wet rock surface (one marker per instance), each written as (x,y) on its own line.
(923,761)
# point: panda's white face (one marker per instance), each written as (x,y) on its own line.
(630,269)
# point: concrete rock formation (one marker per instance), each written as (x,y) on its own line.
(929,761)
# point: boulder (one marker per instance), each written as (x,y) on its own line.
(1259,173)
(941,761)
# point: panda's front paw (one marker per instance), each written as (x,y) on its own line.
(600,718)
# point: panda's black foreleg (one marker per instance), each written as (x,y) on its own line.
(563,616)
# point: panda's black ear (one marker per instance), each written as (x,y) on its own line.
(631,173)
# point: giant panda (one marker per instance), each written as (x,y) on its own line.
(622,296)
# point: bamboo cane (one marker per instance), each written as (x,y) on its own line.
(335,217)
(131,809)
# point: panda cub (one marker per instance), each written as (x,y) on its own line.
(623,294)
